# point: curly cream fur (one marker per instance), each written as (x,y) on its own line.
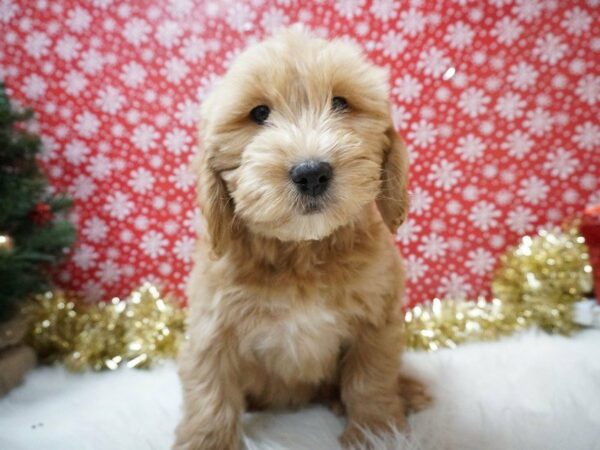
(286,307)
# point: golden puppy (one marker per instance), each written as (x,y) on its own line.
(296,292)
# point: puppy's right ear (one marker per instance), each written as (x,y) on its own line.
(215,203)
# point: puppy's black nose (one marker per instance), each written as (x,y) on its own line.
(311,177)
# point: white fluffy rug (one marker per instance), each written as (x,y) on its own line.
(532,391)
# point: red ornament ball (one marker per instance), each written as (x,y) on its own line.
(42,213)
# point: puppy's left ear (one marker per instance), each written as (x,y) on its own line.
(392,200)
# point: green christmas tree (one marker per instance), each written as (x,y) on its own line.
(33,237)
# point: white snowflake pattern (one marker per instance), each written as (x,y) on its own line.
(91,61)
(522,75)
(153,244)
(100,166)
(518,144)
(240,17)
(510,106)
(144,137)
(480,261)
(177,141)
(74,82)
(459,35)
(85,256)
(415,268)
(184,248)
(110,100)
(422,133)
(118,205)
(393,44)
(182,177)
(181,8)
(444,174)
(95,229)
(384,9)
(420,201)
(484,215)
(206,86)
(136,31)
(67,48)
(538,121)
(78,20)
(433,246)
(455,286)
(108,272)
(187,112)
(520,219)
(194,49)
(470,193)
(168,33)
(433,62)
(407,88)
(76,152)
(470,147)
(473,102)
(175,70)
(528,10)
(507,30)
(141,180)
(533,189)
(8,9)
(87,124)
(588,89)
(412,22)
(588,182)
(576,21)
(407,232)
(570,196)
(561,163)
(93,291)
(34,86)
(133,74)
(400,117)
(587,136)
(550,48)
(141,222)
(274,19)
(349,8)
(36,44)
(82,187)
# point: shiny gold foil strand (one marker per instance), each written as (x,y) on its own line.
(449,322)
(137,331)
(544,275)
(537,283)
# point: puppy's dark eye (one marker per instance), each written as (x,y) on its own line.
(260,114)
(339,104)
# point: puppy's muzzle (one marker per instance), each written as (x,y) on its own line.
(312,177)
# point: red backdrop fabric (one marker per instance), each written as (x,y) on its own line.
(498,102)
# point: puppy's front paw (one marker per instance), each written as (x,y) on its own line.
(352,437)
(357,432)
(414,393)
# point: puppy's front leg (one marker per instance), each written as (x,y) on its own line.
(212,395)
(369,382)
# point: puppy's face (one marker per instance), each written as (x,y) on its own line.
(297,141)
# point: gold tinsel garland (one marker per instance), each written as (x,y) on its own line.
(137,331)
(536,284)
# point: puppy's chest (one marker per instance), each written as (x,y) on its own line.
(297,343)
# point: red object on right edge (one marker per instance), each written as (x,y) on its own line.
(590,229)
